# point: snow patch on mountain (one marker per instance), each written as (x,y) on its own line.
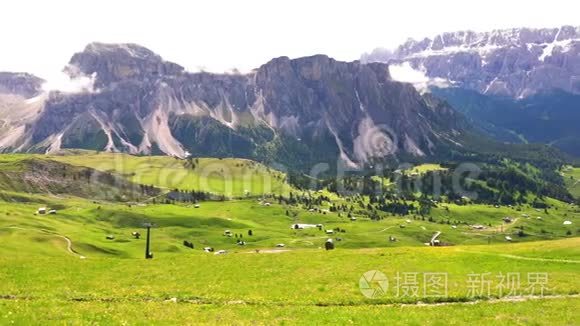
(469,48)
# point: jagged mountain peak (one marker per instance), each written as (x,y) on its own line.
(513,37)
(116,62)
(19,83)
(128,49)
(516,62)
(301,111)
(316,67)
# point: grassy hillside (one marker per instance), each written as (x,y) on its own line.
(231,177)
(40,175)
(82,264)
(572,178)
(87,223)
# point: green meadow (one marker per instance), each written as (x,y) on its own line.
(228,176)
(572,178)
(300,286)
(82,265)
(424,168)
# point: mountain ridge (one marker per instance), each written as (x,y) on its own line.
(517,62)
(315,108)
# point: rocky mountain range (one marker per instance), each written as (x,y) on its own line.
(517,62)
(517,85)
(21,84)
(300,111)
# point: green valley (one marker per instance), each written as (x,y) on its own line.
(82,262)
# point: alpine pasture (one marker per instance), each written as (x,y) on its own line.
(82,263)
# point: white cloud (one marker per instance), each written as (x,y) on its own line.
(62,82)
(405,73)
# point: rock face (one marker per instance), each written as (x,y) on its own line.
(117,62)
(514,62)
(21,84)
(21,101)
(301,111)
